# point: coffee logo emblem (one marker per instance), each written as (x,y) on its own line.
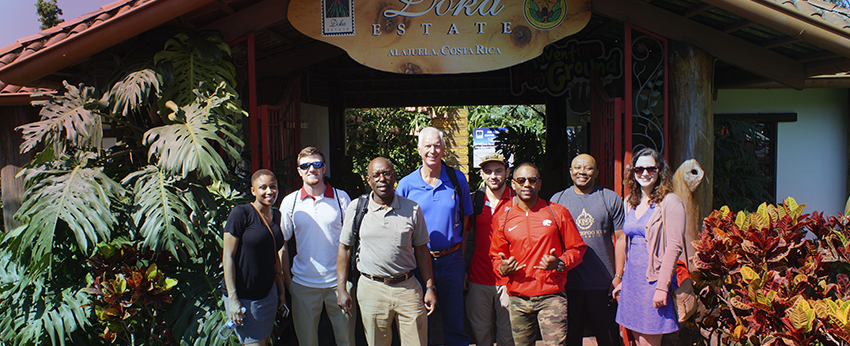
(337,17)
(545,14)
(584,221)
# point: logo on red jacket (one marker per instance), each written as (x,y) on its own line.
(547,222)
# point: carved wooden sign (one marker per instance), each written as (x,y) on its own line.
(439,36)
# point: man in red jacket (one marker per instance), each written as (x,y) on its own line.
(537,243)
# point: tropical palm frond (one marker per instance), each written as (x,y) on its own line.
(186,147)
(162,213)
(197,63)
(71,119)
(130,93)
(197,312)
(79,196)
(30,318)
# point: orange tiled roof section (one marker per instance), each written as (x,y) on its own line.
(827,11)
(30,59)
(25,46)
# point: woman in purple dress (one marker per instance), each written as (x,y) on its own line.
(655,225)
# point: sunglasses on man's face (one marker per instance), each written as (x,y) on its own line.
(651,170)
(531,180)
(316,165)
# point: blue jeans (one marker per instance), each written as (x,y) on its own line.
(448,277)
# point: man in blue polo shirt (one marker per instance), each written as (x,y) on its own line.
(446,207)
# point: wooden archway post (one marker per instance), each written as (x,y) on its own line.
(13,195)
(692,124)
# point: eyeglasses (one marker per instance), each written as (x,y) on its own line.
(386,174)
(650,170)
(531,180)
(316,165)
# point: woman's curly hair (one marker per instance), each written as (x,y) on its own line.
(663,186)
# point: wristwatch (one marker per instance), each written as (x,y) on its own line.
(561,266)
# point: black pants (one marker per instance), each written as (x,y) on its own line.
(598,311)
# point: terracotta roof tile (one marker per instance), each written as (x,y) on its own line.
(805,7)
(823,4)
(27,45)
(834,19)
(10,89)
(79,28)
(56,38)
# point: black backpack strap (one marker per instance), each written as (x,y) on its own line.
(359,213)
(450,171)
(563,246)
(478,201)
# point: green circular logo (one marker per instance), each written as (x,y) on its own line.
(545,14)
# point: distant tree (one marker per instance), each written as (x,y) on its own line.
(48,12)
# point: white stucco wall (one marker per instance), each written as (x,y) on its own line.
(811,152)
(316,134)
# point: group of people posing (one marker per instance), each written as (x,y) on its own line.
(548,267)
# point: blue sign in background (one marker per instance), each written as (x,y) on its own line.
(483,143)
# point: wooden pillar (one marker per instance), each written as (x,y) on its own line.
(13,195)
(556,148)
(692,124)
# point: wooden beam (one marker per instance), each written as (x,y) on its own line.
(738,26)
(222,6)
(731,49)
(251,19)
(697,10)
(779,42)
(277,37)
(819,56)
(300,57)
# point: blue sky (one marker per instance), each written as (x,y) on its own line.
(18,18)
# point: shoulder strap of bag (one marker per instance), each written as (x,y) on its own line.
(339,205)
(274,241)
(605,203)
(450,171)
(478,201)
(360,212)
(563,246)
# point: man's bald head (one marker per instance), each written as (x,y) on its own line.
(586,158)
(381,176)
(375,162)
(583,171)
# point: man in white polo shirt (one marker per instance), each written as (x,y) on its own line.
(314,216)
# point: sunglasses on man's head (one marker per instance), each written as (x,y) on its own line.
(531,180)
(316,165)
(650,169)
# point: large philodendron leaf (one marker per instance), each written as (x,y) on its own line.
(68,120)
(132,92)
(162,214)
(197,63)
(35,310)
(80,196)
(188,145)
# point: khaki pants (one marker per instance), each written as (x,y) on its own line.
(380,304)
(307,305)
(484,305)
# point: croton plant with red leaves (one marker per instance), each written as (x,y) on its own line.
(775,276)
(129,292)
